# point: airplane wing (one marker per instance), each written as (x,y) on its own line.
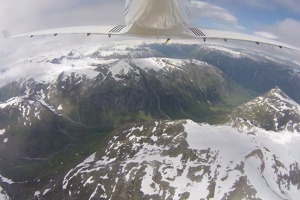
(192,33)
(88,30)
(206,34)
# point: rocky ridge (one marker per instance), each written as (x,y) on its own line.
(186,160)
(143,92)
(274,111)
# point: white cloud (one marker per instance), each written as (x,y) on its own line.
(216,14)
(291,5)
(265,34)
(287,30)
(22,16)
(30,15)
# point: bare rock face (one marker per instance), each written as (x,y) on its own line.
(110,123)
(183,159)
(80,94)
(274,111)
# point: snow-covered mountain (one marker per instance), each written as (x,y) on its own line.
(186,160)
(273,111)
(110,122)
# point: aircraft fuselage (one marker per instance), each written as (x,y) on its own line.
(149,17)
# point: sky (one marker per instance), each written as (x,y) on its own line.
(277,19)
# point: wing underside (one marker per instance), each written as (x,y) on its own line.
(88,30)
(207,34)
(190,33)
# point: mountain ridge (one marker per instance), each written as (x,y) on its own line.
(85,116)
(273,111)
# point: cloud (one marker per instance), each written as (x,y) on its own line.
(265,34)
(291,5)
(22,16)
(215,13)
(30,15)
(288,30)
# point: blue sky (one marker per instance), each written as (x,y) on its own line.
(255,16)
(277,19)
(252,15)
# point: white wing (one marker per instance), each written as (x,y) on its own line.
(97,30)
(191,33)
(206,34)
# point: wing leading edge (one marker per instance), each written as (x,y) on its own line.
(96,30)
(190,33)
(227,35)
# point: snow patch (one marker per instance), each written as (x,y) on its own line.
(46,191)
(60,107)
(120,68)
(3,195)
(11,102)
(290,101)
(147,181)
(148,64)
(232,145)
(90,159)
(154,138)
(158,64)
(37,193)
(89,181)
(234,54)
(6,180)
(42,70)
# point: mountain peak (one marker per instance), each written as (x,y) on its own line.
(100,122)
(177,159)
(272,111)
(275,92)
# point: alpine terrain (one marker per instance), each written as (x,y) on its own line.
(150,121)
